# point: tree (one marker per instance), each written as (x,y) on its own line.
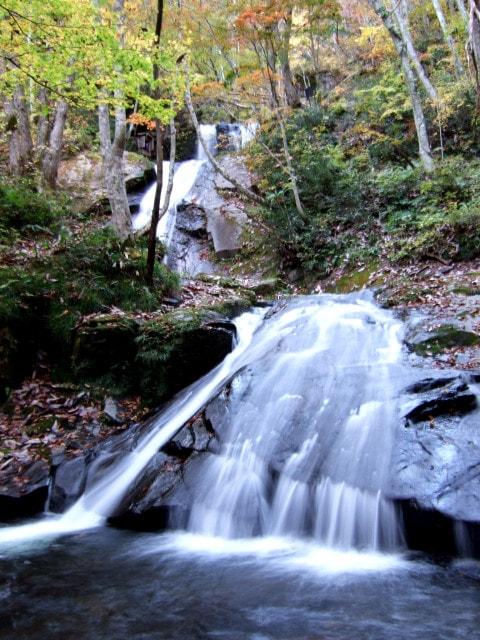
(473,44)
(424,148)
(113,150)
(448,37)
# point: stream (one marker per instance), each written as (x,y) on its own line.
(288,530)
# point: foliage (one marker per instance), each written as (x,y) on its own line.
(23,208)
(87,275)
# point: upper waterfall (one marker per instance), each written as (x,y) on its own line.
(186,174)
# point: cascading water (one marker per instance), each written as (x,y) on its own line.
(309,433)
(102,496)
(185,176)
(307,437)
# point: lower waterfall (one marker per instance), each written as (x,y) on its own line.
(306,436)
(309,431)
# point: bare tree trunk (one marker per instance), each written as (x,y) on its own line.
(152,235)
(291,170)
(401,11)
(20,145)
(240,188)
(52,155)
(424,148)
(473,44)
(113,169)
(292,99)
(459,70)
(113,152)
(43,124)
(462,9)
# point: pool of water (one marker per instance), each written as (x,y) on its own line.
(115,585)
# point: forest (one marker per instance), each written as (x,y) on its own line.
(239,318)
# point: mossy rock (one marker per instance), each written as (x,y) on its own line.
(445,337)
(465,290)
(156,358)
(354,281)
(178,348)
(104,350)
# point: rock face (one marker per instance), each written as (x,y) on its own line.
(437,461)
(212,217)
(82,177)
(29,497)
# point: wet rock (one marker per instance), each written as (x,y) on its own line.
(192,220)
(225,215)
(436,462)
(68,483)
(454,400)
(28,498)
(234,166)
(266,287)
(429,384)
(111,411)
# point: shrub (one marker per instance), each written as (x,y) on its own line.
(23,208)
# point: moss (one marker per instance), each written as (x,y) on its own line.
(465,290)
(104,350)
(446,337)
(353,281)
(177,349)
(41,427)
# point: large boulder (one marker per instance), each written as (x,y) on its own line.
(178,348)
(26,494)
(225,214)
(155,357)
(437,454)
(82,177)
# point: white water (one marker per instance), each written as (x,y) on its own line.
(327,395)
(101,498)
(185,176)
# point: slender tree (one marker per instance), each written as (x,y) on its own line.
(152,236)
(400,19)
(459,70)
(473,44)
(424,148)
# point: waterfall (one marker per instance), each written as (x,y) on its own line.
(307,435)
(103,495)
(185,176)
(310,431)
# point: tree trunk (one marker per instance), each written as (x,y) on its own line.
(459,70)
(52,155)
(43,124)
(424,148)
(113,152)
(473,44)
(20,145)
(240,188)
(401,10)
(290,92)
(462,9)
(152,235)
(291,170)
